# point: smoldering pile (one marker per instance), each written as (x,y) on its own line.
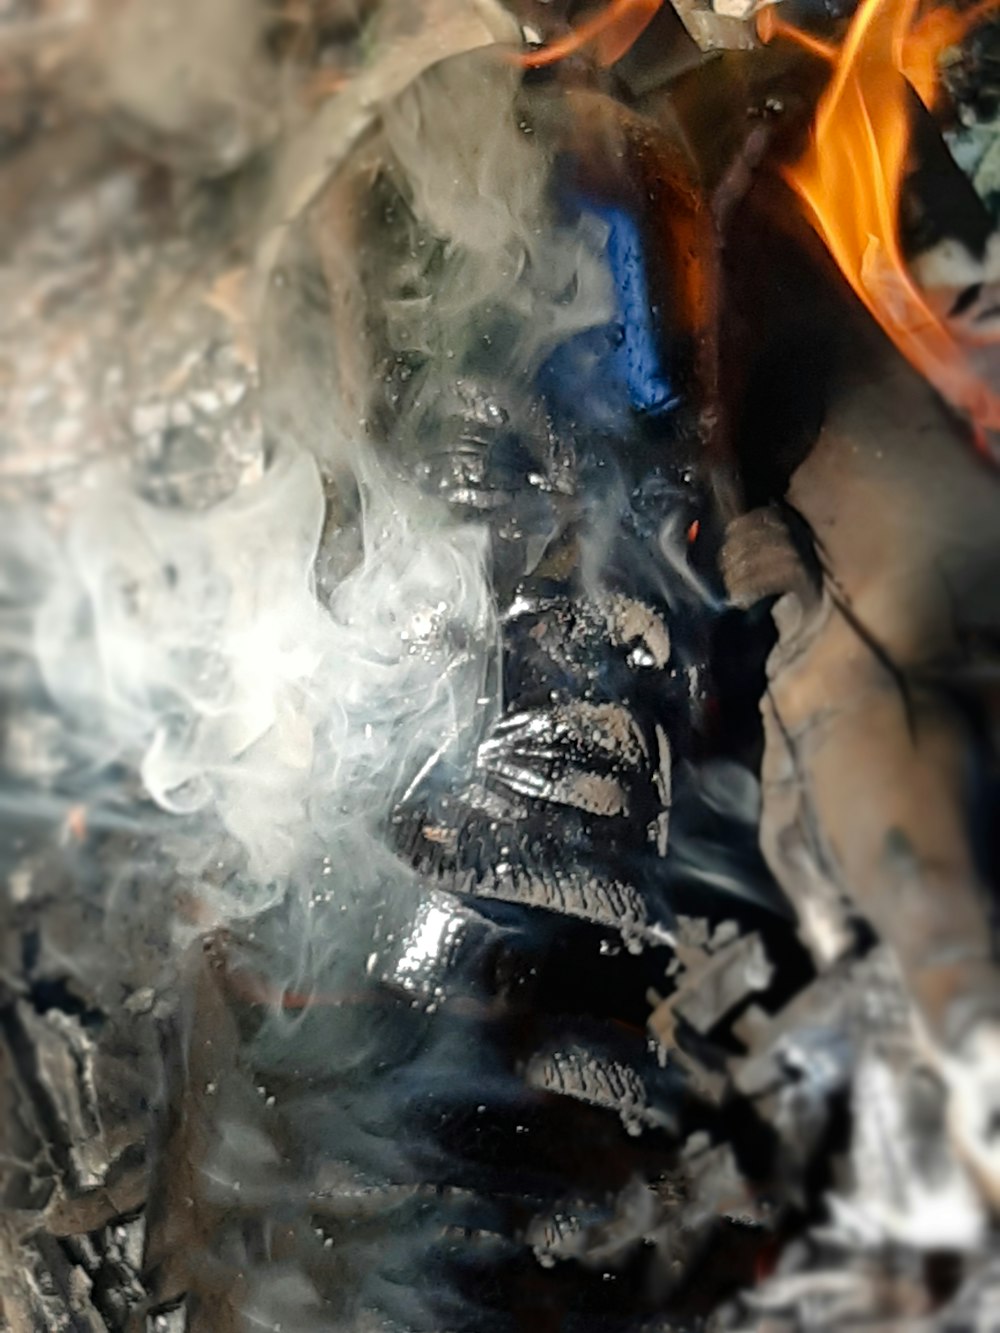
(388,943)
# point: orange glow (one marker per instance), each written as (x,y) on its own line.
(770,24)
(852,174)
(931,35)
(76,823)
(612,32)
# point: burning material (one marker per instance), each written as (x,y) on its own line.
(411,924)
(851,178)
(611,32)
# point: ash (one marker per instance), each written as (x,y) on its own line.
(483,967)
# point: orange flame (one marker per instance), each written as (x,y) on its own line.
(852,174)
(613,32)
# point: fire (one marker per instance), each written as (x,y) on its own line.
(612,32)
(852,174)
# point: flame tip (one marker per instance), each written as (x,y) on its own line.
(851,176)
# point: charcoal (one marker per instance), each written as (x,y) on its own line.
(774,1042)
(558,786)
(579,755)
(63,1067)
(119,1288)
(89,1210)
(27,1173)
(44,1289)
(587,1077)
(715,984)
(716,1187)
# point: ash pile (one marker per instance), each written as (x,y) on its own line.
(498,633)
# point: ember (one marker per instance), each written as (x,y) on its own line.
(498,651)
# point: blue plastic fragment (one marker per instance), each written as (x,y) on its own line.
(637,358)
(619,365)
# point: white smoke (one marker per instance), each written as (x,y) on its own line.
(189,652)
(482,182)
(191,648)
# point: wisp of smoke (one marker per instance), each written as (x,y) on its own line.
(191,648)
